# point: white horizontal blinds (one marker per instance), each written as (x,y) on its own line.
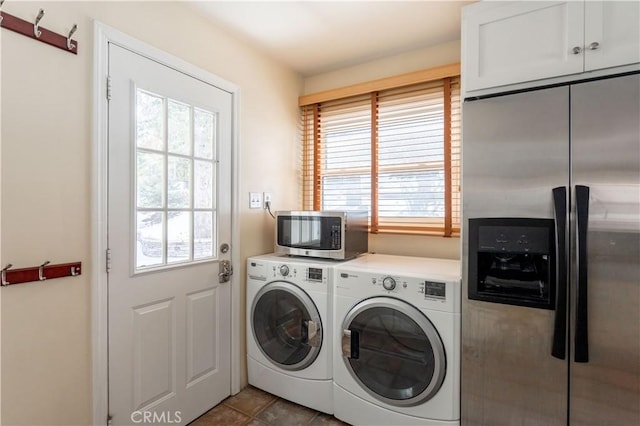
(411,177)
(456,138)
(344,154)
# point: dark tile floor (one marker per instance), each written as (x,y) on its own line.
(255,407)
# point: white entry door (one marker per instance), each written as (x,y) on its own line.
(169,213)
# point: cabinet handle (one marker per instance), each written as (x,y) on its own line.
(594,45)
(576,50)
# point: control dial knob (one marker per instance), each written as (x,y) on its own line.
(284,270)
(388,283)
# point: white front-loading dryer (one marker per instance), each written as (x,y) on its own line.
(289,324)
(397,341)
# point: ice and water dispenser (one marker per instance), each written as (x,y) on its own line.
(512,261)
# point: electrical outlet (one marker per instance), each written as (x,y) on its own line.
(255,200)
(266,196)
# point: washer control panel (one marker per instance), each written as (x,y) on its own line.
(305,273)
(295,273)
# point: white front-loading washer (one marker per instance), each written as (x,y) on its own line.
(397,341)
(289,323)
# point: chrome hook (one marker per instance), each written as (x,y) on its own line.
(70,45)
(9,265)
(1,17)
(75,271)
(36,31)
(41,276)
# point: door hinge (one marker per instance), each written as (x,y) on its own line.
(109,420)
(108,87)
(108,260)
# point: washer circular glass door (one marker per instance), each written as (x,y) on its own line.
(286,325)
(393,351)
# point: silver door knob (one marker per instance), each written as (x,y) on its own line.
(576,50)
(594,45)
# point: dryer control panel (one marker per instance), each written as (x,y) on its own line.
(427,292)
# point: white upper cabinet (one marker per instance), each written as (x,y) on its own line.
(612,34)
(506,43)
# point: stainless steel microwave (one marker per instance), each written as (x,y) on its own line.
(326,234)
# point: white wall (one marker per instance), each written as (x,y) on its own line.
(46,182)
(415,60)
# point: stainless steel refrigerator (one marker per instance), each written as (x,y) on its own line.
(551,256)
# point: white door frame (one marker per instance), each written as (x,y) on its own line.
(103,35)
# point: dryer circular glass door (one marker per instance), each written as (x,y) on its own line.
(393,351)
(286,325)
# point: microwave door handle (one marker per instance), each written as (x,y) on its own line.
(582,329)
(559,342)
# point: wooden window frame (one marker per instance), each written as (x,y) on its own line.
(311,104)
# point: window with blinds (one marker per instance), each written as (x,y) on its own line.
(394,153)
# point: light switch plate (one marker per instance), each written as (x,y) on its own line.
(255,200)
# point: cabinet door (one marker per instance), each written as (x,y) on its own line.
(514,42)
(612,34)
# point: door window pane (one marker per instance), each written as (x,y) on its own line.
(203,235)
(178,236)
(179,182)
(179,128)
(150,180)
(203,197)
(149,239)
(204,126)
(149,121)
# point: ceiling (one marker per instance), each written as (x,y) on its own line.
(314,37)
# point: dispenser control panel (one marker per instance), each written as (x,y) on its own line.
(514,239)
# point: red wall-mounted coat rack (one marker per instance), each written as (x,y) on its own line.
(36,32)
(39,273)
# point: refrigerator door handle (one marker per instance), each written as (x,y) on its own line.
(582,330)
(559,343)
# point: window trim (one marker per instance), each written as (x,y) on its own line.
(416,77)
